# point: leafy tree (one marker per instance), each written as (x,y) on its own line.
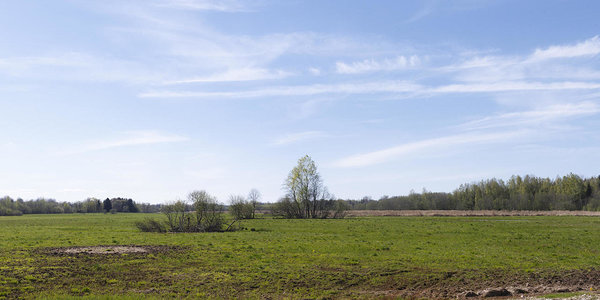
(107,205)
(131,207)
(306,196)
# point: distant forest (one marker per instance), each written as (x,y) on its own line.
(570,192)
(11,207)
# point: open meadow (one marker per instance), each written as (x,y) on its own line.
(357,257)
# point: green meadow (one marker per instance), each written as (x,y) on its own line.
(367,257)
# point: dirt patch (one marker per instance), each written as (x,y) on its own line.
(467,213)
(109,249)
(106,249)
(496,284)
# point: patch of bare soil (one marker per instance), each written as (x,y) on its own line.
(499,285)
(467,213)
(109,249)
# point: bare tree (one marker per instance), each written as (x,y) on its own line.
(175,213)
(208,211)
(254,196)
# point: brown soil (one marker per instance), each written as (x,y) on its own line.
(467,213)
(109,249)
(500,285)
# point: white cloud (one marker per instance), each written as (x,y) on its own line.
(589,47)
(428,9)
(214,5)
(314,71)
(403,88)
(130,138)
(298,137)
(77,66)
(513,86)
(300,90)
(540,65)
(546,115)
(396,152)
(372,65)
(244,74)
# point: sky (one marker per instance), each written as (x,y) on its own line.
(152,99)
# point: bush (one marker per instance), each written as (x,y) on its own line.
(286,208)
(323,209)
(240,208)
(151,225)
(209,213)
(203,215)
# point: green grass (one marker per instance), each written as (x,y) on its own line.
(356,257)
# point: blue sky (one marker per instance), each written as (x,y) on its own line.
(154,99)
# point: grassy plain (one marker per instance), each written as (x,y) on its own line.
(362,257)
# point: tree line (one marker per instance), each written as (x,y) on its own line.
(569,192)
(307,197)
(11,207)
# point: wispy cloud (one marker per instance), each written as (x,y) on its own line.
(513,86)
(589,47)
(178,48)
(537,123)
(314,71)
(210,5)
(546,115)
(425,11)
(490,74)
(542,64)
(372,65)
(130,138)
(244,74)
(402,88)
(396,152)
(77,66)
(298,137)
(431,7)
(299,90)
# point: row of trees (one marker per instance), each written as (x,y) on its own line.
(306,197)
(202,213)
(570,192)
(11,207)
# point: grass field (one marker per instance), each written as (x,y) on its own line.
(366,257)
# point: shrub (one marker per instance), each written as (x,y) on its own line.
(203,215)
(151,225)
(240,208)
